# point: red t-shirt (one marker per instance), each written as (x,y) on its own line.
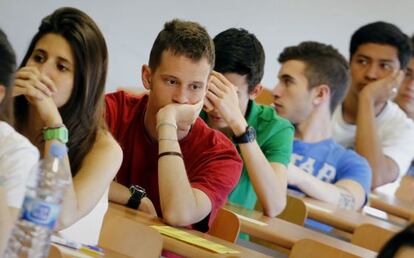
(211,160)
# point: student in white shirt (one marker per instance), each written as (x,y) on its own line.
(405,100)
(17,155)
(368,120)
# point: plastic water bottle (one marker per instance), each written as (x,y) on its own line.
(31,234)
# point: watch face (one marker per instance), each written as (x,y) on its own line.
(137,191)
(248,136)
(251,134)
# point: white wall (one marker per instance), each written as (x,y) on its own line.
(130,27)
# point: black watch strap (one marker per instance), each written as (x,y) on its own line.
(137,193)
(248,136)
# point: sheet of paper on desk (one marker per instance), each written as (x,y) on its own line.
(195,240)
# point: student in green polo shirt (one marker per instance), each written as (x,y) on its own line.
(263,139)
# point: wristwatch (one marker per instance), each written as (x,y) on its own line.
(248,136)
(56,133)
(137,193)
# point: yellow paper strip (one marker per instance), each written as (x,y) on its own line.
(195,240)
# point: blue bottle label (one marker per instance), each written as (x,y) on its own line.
(39,212)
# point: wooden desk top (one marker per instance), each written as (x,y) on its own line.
(345,220)
(180,247)
(285,234)
(392,205)
(57,251)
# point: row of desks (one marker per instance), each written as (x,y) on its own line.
(278,231)
(345,220)
(285,234)
(180,247)
(392,205)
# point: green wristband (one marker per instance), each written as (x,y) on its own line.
(60,133)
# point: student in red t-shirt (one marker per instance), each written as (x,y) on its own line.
(186,168)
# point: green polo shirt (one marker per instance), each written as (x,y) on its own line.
(274,137)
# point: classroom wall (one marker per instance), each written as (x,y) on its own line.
(130,27)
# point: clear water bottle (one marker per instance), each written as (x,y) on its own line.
(31,234)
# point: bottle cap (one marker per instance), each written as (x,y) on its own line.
(58,150)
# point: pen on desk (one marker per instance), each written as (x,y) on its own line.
(92,249)
(75,245)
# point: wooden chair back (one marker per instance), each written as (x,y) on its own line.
(295,211)
(128,237)
(265,98)
(312,249)
(226,226)
(371,237)
(405,189)
(55,252)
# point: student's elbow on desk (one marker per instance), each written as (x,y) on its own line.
(177,218)
(384,173)
(275,208)
(380,180)
(64,222)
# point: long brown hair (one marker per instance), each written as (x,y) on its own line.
(83,114)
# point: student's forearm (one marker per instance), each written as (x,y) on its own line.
(269,183)
(68,213)
(368,145)
(92,180)
(325,192)
(179,203)
(119,193)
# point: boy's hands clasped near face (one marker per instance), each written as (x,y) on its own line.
(38,90)
(180,115)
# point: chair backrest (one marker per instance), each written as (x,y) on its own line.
(226,226)
(128,237)
(265,98)
(311,249)
(371,237)
(295,211)
(55,252)
(405,189)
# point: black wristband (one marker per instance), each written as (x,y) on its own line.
(137,193)
(133,203)
(174,153)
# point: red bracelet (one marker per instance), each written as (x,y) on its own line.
(173,153)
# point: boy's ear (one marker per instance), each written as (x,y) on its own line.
(322,94)
(208,82)
(256,91)
(146,77)
(2,92)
